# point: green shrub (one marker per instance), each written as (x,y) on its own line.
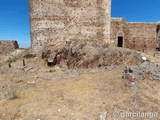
(11,60)
(13,93)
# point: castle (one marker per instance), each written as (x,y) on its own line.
(54,21)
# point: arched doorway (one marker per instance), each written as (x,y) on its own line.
(120,39)
(158,36)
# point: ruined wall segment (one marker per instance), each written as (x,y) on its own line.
(8,46)
(139,36)
(53,21)
(158,35)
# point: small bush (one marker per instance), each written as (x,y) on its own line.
(11,60)
(13,94)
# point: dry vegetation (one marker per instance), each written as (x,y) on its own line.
(38,92)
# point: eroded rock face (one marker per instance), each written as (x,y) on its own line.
(82,54)
(79,54)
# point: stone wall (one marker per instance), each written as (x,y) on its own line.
(52,21)
(140,36)
(137,36)
(117,25)
(8,46)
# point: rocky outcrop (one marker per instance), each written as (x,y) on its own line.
(82,54)
(78,54)
(140,72)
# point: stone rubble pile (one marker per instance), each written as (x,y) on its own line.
(142,71)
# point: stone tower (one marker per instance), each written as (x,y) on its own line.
(53,21)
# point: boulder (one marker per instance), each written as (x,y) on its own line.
(142,71)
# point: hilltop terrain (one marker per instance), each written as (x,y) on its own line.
(39,92)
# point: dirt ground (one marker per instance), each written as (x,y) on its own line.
(38,92)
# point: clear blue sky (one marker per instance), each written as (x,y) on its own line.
(14,16)
(137,10)
(14,21)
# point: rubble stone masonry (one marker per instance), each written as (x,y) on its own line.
(139,36)
(8,46)
(52,21)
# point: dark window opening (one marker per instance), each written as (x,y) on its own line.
(120,41)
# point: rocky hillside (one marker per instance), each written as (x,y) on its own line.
(79,81)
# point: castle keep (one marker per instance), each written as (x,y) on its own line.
(55,21)
(52,21)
